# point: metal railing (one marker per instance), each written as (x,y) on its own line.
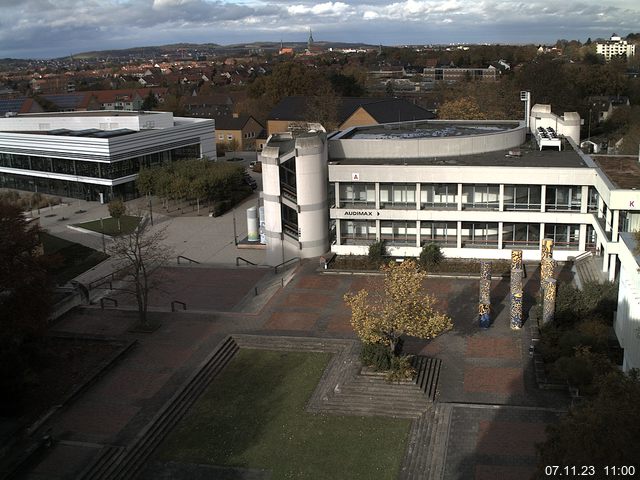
(113,301)
(285,263)
(190,260)
(248,262)
(178,302)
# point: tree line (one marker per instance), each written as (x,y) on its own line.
(218,184)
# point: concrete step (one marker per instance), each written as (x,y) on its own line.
(416,458)
(126,465)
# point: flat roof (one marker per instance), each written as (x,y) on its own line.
(428,129)
(624,172)
(530,156)
(90,113)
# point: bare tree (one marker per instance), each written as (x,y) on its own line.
(141,253)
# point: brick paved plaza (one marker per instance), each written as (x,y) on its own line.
(498,411)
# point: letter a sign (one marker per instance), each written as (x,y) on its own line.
(355,177)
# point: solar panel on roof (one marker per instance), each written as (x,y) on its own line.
(11,105)
(65,101)
(84,133)
(113,133)
(59,131)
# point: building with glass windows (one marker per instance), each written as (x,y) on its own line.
(95,155)
(476,188)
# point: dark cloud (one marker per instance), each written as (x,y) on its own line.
(40,27)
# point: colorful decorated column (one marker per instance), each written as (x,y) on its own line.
(515,311)
(484,307)
(547,248)
(516,259)
(549,302)
(547,271)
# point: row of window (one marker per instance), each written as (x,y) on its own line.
(83,168)
(479,197)
(472,234)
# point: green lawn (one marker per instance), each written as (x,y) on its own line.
(68,259)
(252,416)
(128,224)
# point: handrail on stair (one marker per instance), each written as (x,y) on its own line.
(248,262)
(582,256)
(113,301)
(190,260)
(291,260)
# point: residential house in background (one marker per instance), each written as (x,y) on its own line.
(350,111)
(237,130)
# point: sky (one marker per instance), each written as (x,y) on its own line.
(55,28)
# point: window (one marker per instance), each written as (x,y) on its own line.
(591,240)
(522,197)
(440,233)
(357,232)
(521,235)
(397,195)
(480,197)
(565,237)
(563,198)
(290,221)
(592,204)
(398,232)
(479,234)
(438,195)
(360,195)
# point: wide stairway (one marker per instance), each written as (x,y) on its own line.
(588,269)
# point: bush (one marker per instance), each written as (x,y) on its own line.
(400,369)
(377,252)
(431,255)
(376,356)
(578,372)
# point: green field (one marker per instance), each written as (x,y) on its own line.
(68,259)
(252,416)
(128,224)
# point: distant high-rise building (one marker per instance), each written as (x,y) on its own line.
(615,47)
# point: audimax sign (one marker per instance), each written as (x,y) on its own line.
(361,213)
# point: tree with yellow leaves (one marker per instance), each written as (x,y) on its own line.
(400,308)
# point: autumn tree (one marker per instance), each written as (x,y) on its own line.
(140,253)
(117,209)
(25,301)
(464,108)
(401,308)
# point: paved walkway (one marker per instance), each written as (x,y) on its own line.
(497,414)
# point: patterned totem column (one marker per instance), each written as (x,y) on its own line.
(515,311)
(547,271)
(549,302)
(484,307)
(516,259)
(546,255)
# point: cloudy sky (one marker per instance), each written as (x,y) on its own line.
(52,28)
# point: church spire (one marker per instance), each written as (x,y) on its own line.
(310,41)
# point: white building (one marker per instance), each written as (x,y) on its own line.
(476,188)
(95,155)
(615,47)
(627,320)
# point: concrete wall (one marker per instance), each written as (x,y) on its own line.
(627,319)
(427,147)
(311,180)
(567,125)
(103,120)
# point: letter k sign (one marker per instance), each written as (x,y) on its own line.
(632,204)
